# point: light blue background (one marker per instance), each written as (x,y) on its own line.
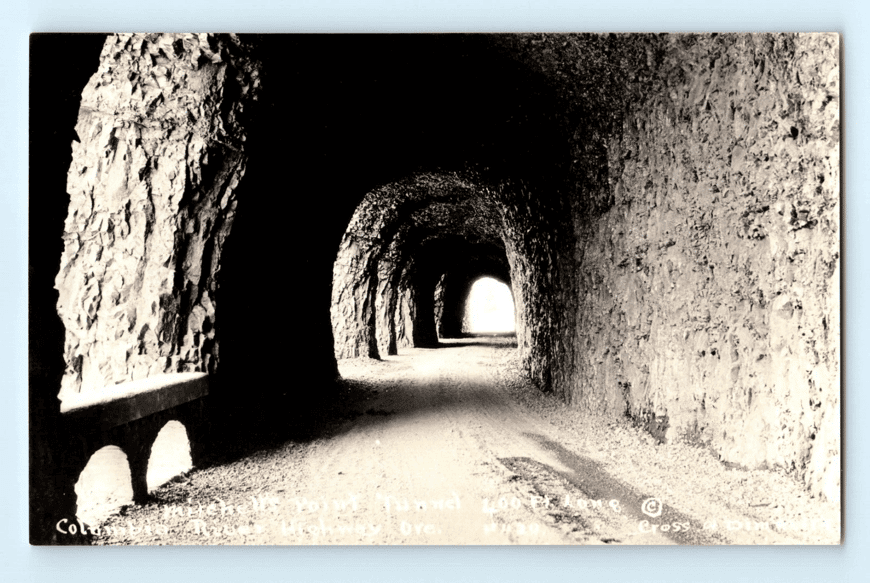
(847,563)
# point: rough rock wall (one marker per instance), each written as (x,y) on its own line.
(365,248)
(404,319)
(152,198)
(454,312)
(354,295)
(709,287)
(424,334)
(385,307)
(541,282)
(439,305)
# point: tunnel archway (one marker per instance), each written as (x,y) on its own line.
(403,242)
(414,248)
(484,118)
(489,308)
(170,455)
(104,485)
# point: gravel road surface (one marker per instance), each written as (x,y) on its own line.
(450,446)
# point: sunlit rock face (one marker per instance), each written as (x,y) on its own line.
(152,198)
(709,271)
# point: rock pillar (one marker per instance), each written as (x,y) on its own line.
(152,188)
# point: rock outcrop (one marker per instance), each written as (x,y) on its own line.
(152,198)
(707,242)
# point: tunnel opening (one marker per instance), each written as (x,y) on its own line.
(489,308)
(104,485)
(170,455)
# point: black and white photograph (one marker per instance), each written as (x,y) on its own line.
(435,289)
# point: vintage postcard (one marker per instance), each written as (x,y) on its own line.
(435,289)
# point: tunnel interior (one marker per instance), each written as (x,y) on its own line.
(408,259)
(421,158)
(664,209)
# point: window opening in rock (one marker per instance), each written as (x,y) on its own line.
(489,308)
(170,455)
(103,486)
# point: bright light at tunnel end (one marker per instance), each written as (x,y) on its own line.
(489,309)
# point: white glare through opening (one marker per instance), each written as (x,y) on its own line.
(490,308)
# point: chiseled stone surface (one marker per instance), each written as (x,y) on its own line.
(381,245)
(708,289)
(126,402)
(152,198)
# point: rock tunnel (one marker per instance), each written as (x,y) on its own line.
(664,208)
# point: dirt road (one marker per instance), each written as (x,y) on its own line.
(433,450)
(440,457)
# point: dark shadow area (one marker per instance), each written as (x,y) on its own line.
(359,398)
(60,66)
(238,433)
